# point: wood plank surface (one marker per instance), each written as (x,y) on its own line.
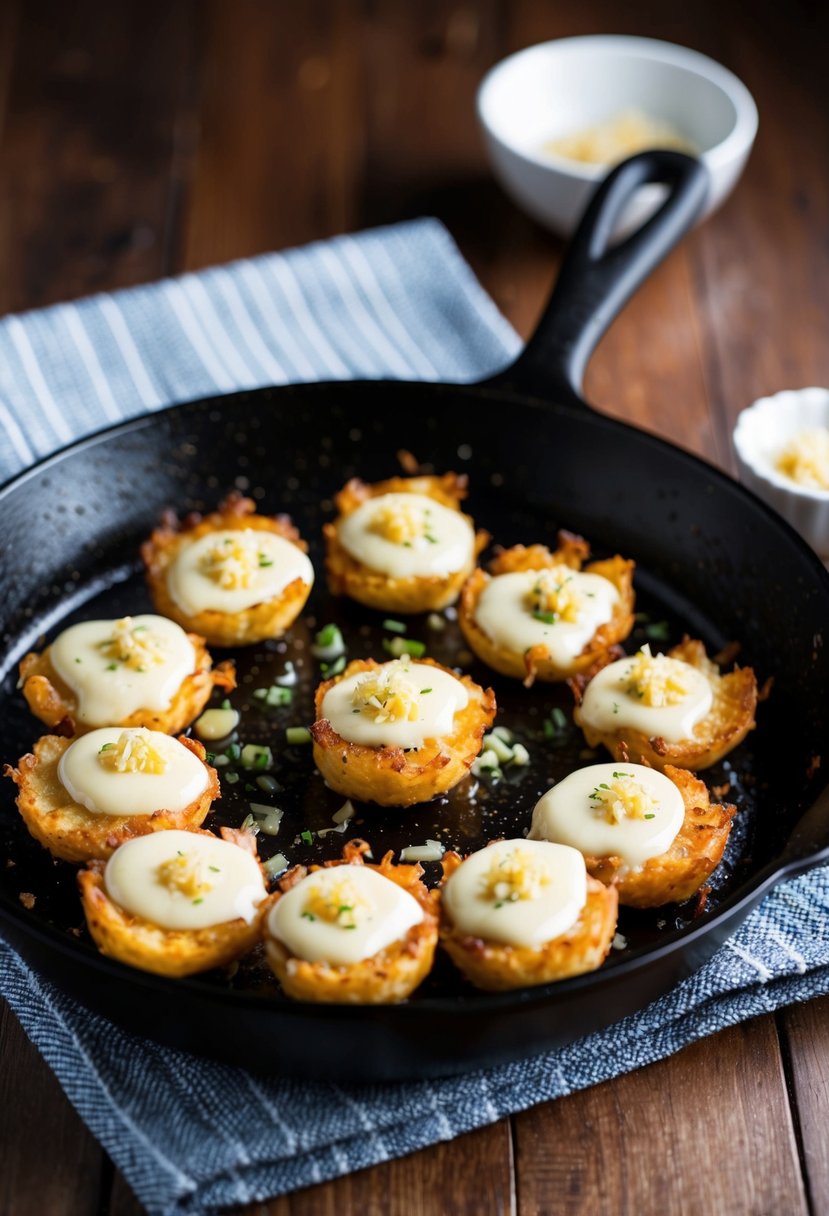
(50,1165)
(665,1139)
(142,138)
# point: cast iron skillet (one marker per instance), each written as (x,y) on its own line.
(711,559)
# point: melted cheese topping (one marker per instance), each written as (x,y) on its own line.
(662,697)
(182,880)
(805,459)
(560,609)
(399,704)
(517,892)
(343,914)
(408,536)
(612,810)
(131,772)
(115,668)
(234,570)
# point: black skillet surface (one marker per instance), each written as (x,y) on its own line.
(711,560)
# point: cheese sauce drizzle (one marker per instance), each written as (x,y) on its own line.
(612,810)
(183,880)
(342,915)
(517,892)
(131,772)
(408,536)
(558,608)
(399,704)
(657,695)
(233,570)
(115,668)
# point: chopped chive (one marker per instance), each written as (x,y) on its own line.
(107,747)
(659,631)
(198,901)
(335,668)
(215,869)
(225,704)
(423,691)
(112,666)
(397,647)
(651,816)
(548,618)
(233,751)
(394,626)
(298,735)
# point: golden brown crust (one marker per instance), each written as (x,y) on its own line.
(72,832)
(536,663)
(497,967)
(55,704)
(726,724)
(270,619)
(393,776)
(348,576)
(173,952)
(677,874)
(385,978)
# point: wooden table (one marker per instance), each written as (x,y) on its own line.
(144,138)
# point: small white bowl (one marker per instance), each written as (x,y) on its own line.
(762,430)
(557,88)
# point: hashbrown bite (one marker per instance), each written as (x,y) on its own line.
(404,773)
(424,553)
(52,697)
(387,975)
(537,606)
(196,565)
(498,965)
(731,715)
(140,942)
(74,833)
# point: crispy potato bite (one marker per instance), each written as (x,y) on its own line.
(349,574)
(678,873)
(383,978)
(536,661)
(74,833)
(496,966)
(174,952)
(725,725)
(271,617)
(52,700)
(396,775)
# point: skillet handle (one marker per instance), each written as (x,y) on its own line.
(596,279)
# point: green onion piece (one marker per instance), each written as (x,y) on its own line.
(277,696)
(249,824)
(298,736)
(233,751)
(397,647)
(231,778)
(254,756)
(307,837)
(659,631)
(275,865)
(394,626)
(328,643)
(268,784)
(334,669)
(226,704)
(548,618)
(268,817)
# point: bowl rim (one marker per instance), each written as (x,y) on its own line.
(736,143)
(769,476)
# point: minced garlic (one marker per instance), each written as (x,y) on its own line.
(402,523)
(622,135)
(185,875)
(514,876)
(342,904)
(132,645)
(805,459)
(387,694)
(554,595)
(132,753)
(233,561)
(656,680)
(623,798)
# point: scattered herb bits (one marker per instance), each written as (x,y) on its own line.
(298,736)
(397,647)
(328,643)
(255,757)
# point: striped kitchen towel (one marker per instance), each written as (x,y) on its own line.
(192,1136)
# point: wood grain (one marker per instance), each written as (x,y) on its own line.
(806,1040)
(50,1162)
(674,1138)
(87,151)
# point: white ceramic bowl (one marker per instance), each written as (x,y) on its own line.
(556,88)
(761,432)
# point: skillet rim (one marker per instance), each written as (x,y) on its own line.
(672,942)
